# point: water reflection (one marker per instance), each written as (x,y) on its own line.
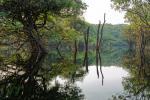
(39,88)
(120,83)
(92,87)
(136,86)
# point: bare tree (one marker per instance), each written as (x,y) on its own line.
(98,48)
(86,39)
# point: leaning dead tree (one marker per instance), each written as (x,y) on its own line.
(98,48)
(86,39)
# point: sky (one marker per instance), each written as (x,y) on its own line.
(96,9)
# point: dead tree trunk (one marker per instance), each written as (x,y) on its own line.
(75,51)
(102,29)
(86,39)
(98,48)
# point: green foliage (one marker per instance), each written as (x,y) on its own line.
(138,15)
(16,15)
(1,59)
(113,34)
(14,59)
(114,42)
(20,10)
(65,69)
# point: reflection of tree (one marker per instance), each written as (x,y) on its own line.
(64,69)
(137,85)
(135,89)
(37,88)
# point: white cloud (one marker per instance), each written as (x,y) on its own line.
(96,10)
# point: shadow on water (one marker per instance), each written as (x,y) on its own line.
(40,86)
(24,86)
(21,84)
(37,89)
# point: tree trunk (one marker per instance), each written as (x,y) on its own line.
(58,51)
(98,48)
(142,49)
(75,51)
(86,37)
(37,52)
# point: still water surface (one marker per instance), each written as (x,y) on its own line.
(92,87)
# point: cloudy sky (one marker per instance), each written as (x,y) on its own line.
(96,10)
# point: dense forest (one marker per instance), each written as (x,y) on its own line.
(41,39)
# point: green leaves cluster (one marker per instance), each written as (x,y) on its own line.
(46,16)
(138,15)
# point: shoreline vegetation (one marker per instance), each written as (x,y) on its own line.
(40,39)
